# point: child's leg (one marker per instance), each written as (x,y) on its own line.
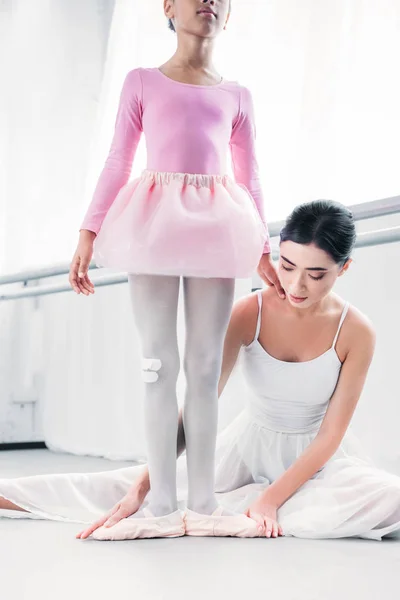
(208,305)
(155,303)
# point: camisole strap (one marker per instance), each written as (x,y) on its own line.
(259,298)
(342,318)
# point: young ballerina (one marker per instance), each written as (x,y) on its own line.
(288,460)
(184,217)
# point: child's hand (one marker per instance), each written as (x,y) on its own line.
(268,274)
(78,273)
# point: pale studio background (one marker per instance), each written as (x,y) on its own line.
(323,77)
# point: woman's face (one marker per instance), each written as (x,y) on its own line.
(205,18)
(307,273)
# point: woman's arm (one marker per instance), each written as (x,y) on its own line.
(336,421)
(239,328)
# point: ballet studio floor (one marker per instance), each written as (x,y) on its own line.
(41,560)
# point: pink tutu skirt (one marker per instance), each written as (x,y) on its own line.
(182,224)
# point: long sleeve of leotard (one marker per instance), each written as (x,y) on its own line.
(117,168)
(244,161)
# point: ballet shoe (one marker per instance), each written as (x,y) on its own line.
(218,525)
(149,526)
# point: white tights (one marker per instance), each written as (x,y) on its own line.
(208,305)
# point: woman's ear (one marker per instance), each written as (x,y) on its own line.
(168,9)
(345,267)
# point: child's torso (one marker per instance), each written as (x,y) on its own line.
(187,127)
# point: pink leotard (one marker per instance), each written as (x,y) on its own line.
(188,129)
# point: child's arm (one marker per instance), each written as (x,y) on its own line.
(244,161)
(117,168)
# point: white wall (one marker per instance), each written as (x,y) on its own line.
(373,285)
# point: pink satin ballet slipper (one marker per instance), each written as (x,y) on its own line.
(149,526)
(218,525)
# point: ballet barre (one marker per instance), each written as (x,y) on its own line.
(361,212)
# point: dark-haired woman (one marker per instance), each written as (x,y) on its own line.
(288,460)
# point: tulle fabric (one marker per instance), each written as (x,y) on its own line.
(349,497)
(182,224)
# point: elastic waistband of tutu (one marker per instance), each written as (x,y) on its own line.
(196,179)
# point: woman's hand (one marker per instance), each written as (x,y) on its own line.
(128,506)
(264,513)
(267,272)
(78,277)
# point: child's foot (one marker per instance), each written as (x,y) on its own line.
(220,523)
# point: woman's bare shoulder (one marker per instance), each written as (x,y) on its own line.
(358,331)
(245,313)
(244,317)
(358,322)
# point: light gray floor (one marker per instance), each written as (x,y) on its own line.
(42,560)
